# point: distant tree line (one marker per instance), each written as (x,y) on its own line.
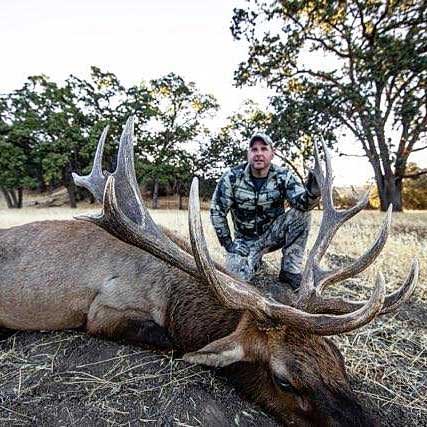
(48,130)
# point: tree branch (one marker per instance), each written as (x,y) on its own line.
(289,163)
(392,98)
(327,47)
(419,149)
(351,155)
(416,174)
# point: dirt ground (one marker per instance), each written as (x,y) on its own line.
(70,378)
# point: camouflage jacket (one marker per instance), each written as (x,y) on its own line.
(253,211)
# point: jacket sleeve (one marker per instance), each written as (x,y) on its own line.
(222,200)
(299,195)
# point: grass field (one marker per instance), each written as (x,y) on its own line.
(387,359)
(408,237)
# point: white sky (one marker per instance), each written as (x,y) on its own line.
(137,40)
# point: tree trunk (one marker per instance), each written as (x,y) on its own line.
(41,186)
(20,196)
(71,190)
(13,199)
(178,189)
(70,186)
(390,192)
(7,197)
(389,187)
(156,194)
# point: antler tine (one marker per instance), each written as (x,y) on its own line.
(129,196)
(233,293)
(329,277)
(391,303)
(95,181)
(324,179)
(330,223)
(402,294)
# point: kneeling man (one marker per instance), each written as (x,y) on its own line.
(255,193)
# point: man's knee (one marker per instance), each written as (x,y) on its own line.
(298,228)
(295,216)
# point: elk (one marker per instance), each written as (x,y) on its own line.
(117,274)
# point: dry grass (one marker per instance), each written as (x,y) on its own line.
(387,359)
(408,237)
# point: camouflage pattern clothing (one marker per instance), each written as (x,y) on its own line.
(289,231)
(260,222)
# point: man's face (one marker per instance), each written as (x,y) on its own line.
(260,156)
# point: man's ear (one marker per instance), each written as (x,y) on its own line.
(219,353)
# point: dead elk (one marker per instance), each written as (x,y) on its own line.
(128,279)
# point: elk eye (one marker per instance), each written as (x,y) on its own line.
(284,384)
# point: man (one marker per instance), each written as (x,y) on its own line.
(255,192)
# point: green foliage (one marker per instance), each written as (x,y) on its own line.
(178,113)
(365,70)
(229,146)
(18,127)
(48,130)
(13,162)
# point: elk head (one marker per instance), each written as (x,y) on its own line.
(284,360)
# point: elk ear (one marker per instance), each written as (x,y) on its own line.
(219,353)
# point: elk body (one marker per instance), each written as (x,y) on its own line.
(118,275)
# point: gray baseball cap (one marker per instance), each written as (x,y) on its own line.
(260,136)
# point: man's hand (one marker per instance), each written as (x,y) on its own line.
(235,248)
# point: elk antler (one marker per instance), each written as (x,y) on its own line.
(130,221)
(95,181)
(234,293)
(315,279)
(127,218)
(392,301)
(128,191)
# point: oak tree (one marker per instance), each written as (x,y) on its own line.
(358,65)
